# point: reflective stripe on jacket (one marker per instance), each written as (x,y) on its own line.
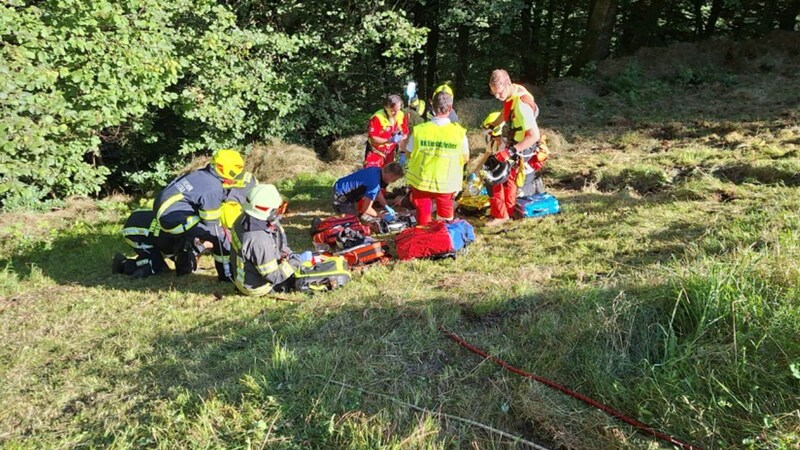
(512,115)
(260,256)
(436,159)
(197,196)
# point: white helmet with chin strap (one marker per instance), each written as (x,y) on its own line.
(262,202)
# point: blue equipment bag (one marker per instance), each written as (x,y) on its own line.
(537,205)
(461,233)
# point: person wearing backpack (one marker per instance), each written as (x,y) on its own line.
(261,257)
(439,149)
(521,135)
(358,192)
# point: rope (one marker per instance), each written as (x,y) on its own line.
(591,402)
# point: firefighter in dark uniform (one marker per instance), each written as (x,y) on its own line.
(143,233)
(190,209)
(261,257)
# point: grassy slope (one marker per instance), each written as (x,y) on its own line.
(667,289)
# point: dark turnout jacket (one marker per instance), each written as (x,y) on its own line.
(261,257)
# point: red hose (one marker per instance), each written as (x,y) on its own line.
(630,421)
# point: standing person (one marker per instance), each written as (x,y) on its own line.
(429,114)
(358,192)
(190,207)
(439,149)
(387,128)
(261,257)
(521,138)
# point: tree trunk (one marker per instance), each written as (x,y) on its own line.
(432,46)
(698,18)
(420,20)
(713,17)
(788,18)
(462,62)
(768,16)
(642,22)
(546,43)
(562,39)
(526,38)
(597,43)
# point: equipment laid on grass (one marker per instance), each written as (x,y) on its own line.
(365,254)
(320,225)
(400,223)
(340,236)
(328,274)
(537,205)
(475,205)
(437,239)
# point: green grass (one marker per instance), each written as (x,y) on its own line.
(666,289)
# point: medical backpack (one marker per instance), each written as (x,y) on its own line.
(330,273)
(537,205)
(365,254)
(435,240)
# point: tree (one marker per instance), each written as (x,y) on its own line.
(597,43)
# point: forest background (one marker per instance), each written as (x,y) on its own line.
(114,96)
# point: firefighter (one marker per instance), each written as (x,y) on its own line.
(521,139)
(143,233)
(387,128)
(439,149)
(191,206)
(261,257)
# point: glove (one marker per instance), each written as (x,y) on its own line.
(390,214)
(397,137)
(306,256)
(402,159)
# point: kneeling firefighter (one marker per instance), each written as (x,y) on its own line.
(191,206)
(261,257)
(143,234)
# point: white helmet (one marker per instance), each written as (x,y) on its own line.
(262,202)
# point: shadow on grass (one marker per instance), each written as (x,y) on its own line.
(292,360)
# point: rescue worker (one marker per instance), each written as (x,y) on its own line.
(430,113)
(358,192)
(439,149)
(387,128)
(521,138)
(143,233)
(191,206)
(261,257)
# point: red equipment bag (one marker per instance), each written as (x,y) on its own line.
(424,241)
(365,254)
(328,238)
(318,226)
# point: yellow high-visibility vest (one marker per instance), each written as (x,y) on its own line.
(436,163)
(516,126)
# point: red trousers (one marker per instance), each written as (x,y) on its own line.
(504,198)
(423,202)
(374,159)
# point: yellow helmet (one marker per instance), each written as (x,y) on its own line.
(443,88)
(417,105)
(228,163)
(263,201)
(489,120)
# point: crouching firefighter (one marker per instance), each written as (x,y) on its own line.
(261,257)
(143,233)
(190,209)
